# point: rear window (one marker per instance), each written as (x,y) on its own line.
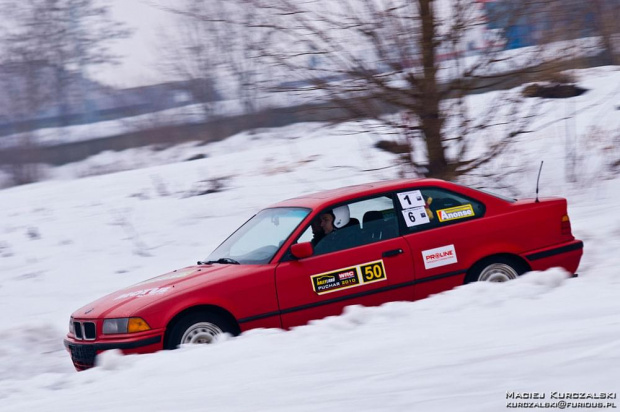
(430,207)
(506,198)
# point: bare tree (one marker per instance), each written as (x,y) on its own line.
(419,58)
(595,21)
(47,46)
(203,49)
(69,36)
(606,14)
(189,52)
(23,92)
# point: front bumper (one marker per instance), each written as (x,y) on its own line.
(83,354)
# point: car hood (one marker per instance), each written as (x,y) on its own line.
(126,302)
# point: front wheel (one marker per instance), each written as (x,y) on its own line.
(199,328)
(498,269)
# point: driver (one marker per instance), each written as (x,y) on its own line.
(331,220)
(326,220)
(317,231)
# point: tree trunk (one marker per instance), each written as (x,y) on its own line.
(605,21)
(428,111)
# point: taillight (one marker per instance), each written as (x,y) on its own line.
(566,229)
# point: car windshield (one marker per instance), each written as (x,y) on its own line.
(258,240)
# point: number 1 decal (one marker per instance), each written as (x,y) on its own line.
(411,199)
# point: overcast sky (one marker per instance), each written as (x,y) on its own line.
(139,53)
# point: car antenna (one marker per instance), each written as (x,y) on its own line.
(538,180)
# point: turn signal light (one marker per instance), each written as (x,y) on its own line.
(566,229)
(137,325)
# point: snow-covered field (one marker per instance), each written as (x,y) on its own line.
(68,240)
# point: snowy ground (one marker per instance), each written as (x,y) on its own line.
(68,240)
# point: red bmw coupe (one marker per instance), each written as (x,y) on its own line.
(307,258)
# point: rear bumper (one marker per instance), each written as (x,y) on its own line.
(83,354)
(566,255)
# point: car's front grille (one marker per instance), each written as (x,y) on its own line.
(85,330)
(89,330)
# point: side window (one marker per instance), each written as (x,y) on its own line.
(433,207)
(351,225)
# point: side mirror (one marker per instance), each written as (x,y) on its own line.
(302,250)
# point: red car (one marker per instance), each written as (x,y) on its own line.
(306,258)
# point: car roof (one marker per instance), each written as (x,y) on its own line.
(344,194)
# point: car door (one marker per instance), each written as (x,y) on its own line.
(440,228)
(370,265)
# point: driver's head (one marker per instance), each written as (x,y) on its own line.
(316,226)
(327,221)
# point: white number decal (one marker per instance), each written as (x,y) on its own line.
(411,199)
(416,216)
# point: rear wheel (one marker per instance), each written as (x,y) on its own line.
(199,328)
(498,269)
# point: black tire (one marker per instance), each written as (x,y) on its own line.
(496,269)
(198,328)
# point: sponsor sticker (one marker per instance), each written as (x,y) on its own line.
(348,277)
(181,273)
(457,212)
(441,256)
(144,293)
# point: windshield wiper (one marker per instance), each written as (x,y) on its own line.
(225,261)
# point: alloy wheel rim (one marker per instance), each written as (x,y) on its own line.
(498,273)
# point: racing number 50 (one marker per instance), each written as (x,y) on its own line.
(373,272)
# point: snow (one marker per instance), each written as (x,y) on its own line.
(82,234)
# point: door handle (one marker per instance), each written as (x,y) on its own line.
(390,253)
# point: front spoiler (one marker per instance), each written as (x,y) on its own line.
(83,354)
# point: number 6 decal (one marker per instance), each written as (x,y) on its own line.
(415,216)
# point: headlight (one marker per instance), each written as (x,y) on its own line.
(71,326)
(112,326)
(124,325)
